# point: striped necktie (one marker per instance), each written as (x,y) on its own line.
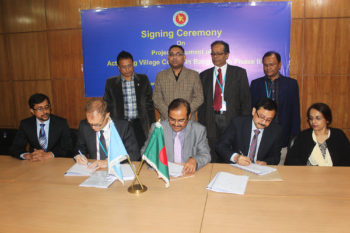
(252,148)
(42,137)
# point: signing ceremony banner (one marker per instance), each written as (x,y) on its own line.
(250,28)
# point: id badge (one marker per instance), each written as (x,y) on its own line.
(223,108)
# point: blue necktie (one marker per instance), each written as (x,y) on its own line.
(42,137)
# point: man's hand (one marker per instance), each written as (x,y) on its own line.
(189,167)
(261,163)
(243,160)
(98,164)
(81,160)
(38,155)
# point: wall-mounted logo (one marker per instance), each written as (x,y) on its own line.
(180,18)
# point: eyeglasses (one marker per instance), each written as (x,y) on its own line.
(42,109)
(175,54)
(217,54)
(181,121)
(263,118)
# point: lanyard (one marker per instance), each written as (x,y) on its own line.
(104,150)
(223,81)
(267,90)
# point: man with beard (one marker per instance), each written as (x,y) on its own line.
(48,135)
(185,140)
(253,139)
(177,82)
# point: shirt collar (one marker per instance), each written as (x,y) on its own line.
(38,122)
(132,78)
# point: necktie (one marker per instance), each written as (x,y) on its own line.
(252,147)
(217,104)
(177,148)
(103,147)
(42,137)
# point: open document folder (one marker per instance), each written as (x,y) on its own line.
(224,182)
(256,169)
(79,170)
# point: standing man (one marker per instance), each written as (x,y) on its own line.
(177,82)
(48,135)
(95,133)
(253,139)
(185,140)
(129,97)
(226,95)
(284,91)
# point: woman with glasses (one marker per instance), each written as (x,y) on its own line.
(320,145)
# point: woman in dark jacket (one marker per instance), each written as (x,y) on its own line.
(320,145)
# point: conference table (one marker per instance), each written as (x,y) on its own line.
(37,197)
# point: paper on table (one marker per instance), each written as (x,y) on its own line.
(228,183)
(99,179)
(79,170)
(175,170)
(128,174)
(256,169)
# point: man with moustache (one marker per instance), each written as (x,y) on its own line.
(177,82)
(48,135)
(253,139)
(185,140)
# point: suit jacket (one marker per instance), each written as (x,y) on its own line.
(87,139)
(59,138)
(236,95)
(114,98)
(195,143)
(236,139)
(166,89)
(288,109)
(338,146)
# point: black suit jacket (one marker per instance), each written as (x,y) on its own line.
(114,98)
(236,95)
(236,139)
(87,139)
(60,142)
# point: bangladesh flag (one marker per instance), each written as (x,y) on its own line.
(155,153)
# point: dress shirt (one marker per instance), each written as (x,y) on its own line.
(129,96)
(107,135)
(223,73)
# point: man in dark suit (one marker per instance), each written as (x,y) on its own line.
(284,91)
(129,97)
(95,133)
(226,95)
(48,135)
(253,138)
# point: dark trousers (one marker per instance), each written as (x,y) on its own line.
(221,124)
(139,134)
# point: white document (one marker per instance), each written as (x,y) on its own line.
(256,169)
(79,170)
(224,182)
(127,172)
(99,179)
(175,170)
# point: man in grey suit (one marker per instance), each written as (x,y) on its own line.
(177,82)
(226,95)
(185,140)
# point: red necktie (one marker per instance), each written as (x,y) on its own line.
(252,148)
(218,93)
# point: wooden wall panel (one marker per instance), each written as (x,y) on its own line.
(327,46)
(23,15)
(28,56)
(65,13)
(114,3)
(66,55)
(22,90)
(3,60)
(7,116)
(327,8)
(68,96)
(296,47)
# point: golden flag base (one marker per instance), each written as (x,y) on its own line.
(136,188)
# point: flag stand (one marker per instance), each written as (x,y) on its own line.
(136,188)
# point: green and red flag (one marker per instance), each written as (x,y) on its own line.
(155,153)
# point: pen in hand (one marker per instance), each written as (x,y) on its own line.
(82,159)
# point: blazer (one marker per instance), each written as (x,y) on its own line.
(87,139)
(288,105)
(59,138)
(114,98)
(236,139)
(195,143)
(236,95)
(166,89)
(338,146)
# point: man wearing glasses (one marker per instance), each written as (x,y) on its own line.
(253,139)
(226,95)
(177,82)
(95,133)
(48,135)
(185,140)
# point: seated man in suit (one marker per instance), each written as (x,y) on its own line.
(253,139)
(185,140)
(48,135)
(95,130)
